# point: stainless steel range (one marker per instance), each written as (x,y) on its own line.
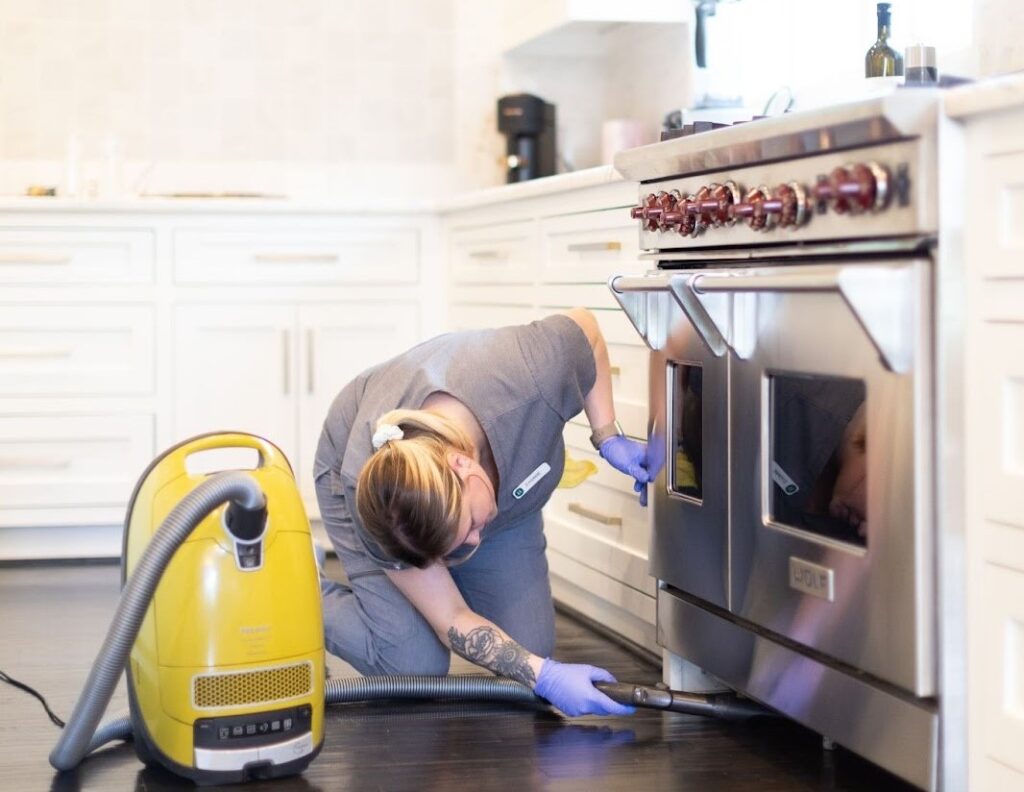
(790,324)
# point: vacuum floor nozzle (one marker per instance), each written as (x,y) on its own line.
(727,706)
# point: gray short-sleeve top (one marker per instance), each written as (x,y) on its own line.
(523,383)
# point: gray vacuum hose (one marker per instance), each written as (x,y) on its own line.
(80,735)
(410,686)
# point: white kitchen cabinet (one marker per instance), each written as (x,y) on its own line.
(66,469)
(70,350)
(127,328)
(540,256)
(236,368)
(337,341)
(992,451)
(274,370)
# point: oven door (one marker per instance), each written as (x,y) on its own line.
(831,460)
(687,431)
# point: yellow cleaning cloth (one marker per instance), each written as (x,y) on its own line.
(686,475)
(576,471)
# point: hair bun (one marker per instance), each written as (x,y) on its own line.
(385,434)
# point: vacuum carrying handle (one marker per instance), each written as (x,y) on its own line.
(727,706)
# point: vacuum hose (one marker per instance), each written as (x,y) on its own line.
(80,736)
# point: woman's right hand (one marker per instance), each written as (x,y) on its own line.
(570,687)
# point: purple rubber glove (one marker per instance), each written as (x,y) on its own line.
(629,457)
(570,687)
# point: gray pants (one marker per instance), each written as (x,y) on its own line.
(371,625)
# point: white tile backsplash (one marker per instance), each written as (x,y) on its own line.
(206,82)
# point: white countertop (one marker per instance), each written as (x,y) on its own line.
(562,182)
(381,204)
(986,96)
(374,205)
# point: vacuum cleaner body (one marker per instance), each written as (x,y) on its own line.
(226,676)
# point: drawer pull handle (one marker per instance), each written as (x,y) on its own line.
(485,254)
(286,361)
(590,514)
(29,352)
(615,371)
(296,258)
(35,463)
(38,258)
(310,360)
(593,247)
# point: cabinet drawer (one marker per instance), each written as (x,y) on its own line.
(57,461)
(604,529)
(998,649)
(589,247)
(577,444)
(287,256)
(67,256)
(481,317)
(494,254)
(57,350)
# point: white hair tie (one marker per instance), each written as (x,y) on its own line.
(386,433)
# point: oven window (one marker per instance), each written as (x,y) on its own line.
(818,462)
(687,430)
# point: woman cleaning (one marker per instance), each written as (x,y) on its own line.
(431,473)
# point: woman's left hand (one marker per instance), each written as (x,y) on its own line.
(629,457)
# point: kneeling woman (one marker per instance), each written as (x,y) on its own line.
(448,453)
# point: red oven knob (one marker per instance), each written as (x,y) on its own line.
(854,189)
(758,208)
(652,210)
(795,209)
(682,217)
(711,206)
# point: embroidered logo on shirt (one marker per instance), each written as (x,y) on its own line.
(527,483)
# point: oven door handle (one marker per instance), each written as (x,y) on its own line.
(645,302)
(889,302)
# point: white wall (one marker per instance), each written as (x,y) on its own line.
(279,95)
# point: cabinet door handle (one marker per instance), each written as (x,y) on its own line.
(593,247)
(37,258)
(614,370)
(484,254)
(295,258)
(310,384)
(286,361)
(596,516)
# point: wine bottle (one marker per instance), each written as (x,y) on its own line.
(881,59)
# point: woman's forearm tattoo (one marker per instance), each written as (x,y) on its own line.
(486,647)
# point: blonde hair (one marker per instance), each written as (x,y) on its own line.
(408,497)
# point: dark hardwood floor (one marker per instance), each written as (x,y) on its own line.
(53,619)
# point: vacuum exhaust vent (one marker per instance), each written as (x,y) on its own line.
(261,686)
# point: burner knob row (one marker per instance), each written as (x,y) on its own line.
(852,189)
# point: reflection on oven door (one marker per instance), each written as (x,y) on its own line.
(688,425)
(831,535)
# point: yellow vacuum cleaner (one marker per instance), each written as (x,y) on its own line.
(226,668)
(220,633)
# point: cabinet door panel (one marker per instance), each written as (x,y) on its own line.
(588,247)
(67,256)
(74,350)
(52,465)
(338,342)
(235,368)
(288,256)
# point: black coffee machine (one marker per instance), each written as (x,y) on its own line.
(528,123)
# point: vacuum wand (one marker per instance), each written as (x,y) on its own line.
(727,706)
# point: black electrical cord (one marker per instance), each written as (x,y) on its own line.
(4,677)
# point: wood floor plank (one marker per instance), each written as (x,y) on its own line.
(53,619)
